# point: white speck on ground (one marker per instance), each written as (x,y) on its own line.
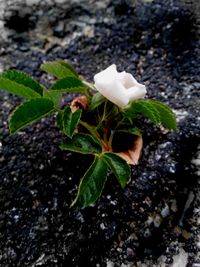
(180,114)
(181,259)
(165,211)
(110,264)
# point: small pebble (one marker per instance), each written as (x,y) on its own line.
(157,221)
(165,211)
(110,264)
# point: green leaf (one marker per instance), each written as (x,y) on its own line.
(69,67)
(97,100)
(119,167)
(59,69)
(167,117)
(145,108)
(82,143)
(92,184)
(154,110)
(70,85)
(59,120)
(130,130)
(55,96)
(29,112)
(21,78)
(17,89)
(70,120)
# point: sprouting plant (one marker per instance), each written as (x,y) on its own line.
(105,120)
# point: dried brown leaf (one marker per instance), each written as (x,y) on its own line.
(132,155)
(79,102)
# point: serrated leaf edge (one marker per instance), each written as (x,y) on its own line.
(70,133)
(72,72)
(25,88)
(88,152)
(73,204)
(110,167)
(32,121)
(41,86)
(168,110)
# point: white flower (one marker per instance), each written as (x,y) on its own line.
(118,87)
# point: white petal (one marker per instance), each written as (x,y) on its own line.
(136,92)
(106,75)
(118,87)
(107,84)
(121,76)
(127,79)
(113,91)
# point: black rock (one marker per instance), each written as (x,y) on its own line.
(21,20)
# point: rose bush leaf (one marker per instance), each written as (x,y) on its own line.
(59,69)
(82,143)
(70,85)
(69,67)
(70,120)
(55,96)
(97,100)
(18,78)
(29,112)
(17,89)
(154,110)
(59,120)
(145,108)
(92,184)
(119,167)
(130,130)
(20,84)
(167,117)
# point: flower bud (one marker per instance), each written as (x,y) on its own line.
(118,87)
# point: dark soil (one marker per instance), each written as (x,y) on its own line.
(153,218)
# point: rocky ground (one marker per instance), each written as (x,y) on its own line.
(155,220)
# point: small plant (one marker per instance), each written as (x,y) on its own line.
(106,120)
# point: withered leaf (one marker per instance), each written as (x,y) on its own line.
(132,156)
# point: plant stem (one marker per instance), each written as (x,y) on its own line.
(90,85)
(93,132)
(90,129)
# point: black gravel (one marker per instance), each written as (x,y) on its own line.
(158,44)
